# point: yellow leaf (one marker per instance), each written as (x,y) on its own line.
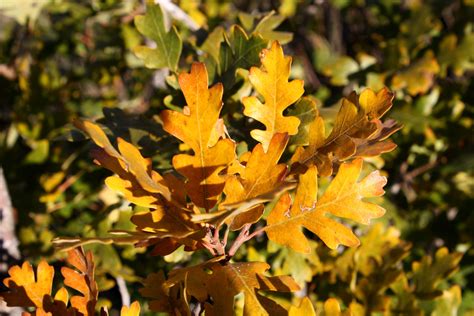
(98,136)
(271,81)
(198,127)
(332,308)
(24,290)
(419,76)
(305,309)
(261,174)
(129,165)
(141,169)
(133,310)
(343,198)
(62,296)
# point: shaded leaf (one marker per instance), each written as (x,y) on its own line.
(223,282)
(24,288)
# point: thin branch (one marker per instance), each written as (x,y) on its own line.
(256,232)
(220,249)
(239,240)
(226,236)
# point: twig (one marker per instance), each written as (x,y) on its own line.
(220,249)
(239,240)
(226,236)
(256,232)
(124,295)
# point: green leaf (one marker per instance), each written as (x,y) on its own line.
(306,111)
(239,51)
(266,28)
(168,43)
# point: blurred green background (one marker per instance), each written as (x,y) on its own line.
(65,59)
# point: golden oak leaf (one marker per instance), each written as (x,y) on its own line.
(222,283)
(133,310)
(136,180)
(81,280)
(199,128)
(261,174)
(343,198)
(271,81)
(26,290)
(357,123)
(305,309)
(258,179)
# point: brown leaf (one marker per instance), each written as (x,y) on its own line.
(356,123)
(219,283)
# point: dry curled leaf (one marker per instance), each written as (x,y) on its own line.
(135,178)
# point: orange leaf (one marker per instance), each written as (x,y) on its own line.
(343,198)
(137,181)
(356,124)
(25,291)
(271,81)
(222,282)
(199,127)
(81,280)
(258,181)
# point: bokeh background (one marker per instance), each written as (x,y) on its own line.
(64,59)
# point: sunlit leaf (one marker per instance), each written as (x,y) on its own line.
(271,81)
(343,198)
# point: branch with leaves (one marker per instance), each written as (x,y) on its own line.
(212,192)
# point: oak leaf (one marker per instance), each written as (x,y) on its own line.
(271,81)
(168,43)
(257,179)
(82,279)
(26,290)
(419,76)
(135,178)
(218,284)
(357,123)
(343,198)
(200,128)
